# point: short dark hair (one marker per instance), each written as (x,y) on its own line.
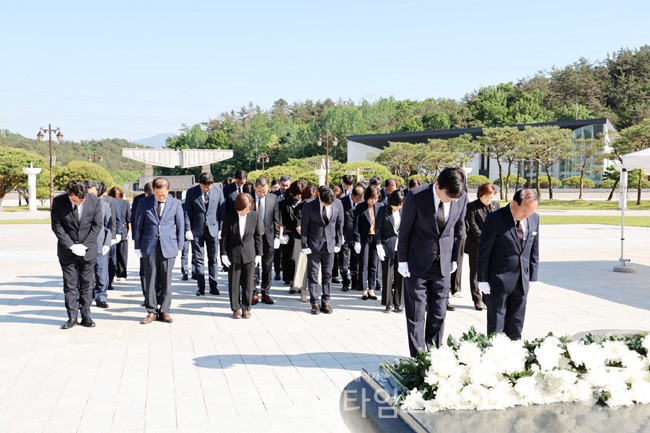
(76,187)
(295,189)
(261,181)
(308,192)
(364,184)
(101,188)
(375,180)
(358,191)
(326,194)
(160,183)
(275,182)
(241,174)
(285,177)
(206,178)
(396,197)
(148,188)
(243,202)
(371,191)
(452,180)
(390,182)
(485,189)
(248,187)
(91,184)
(227,180)
(414,182)
(525,194)
(348,179)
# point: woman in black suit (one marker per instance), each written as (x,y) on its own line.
(365,245)
(474,218)
(289,217)
(388,220)
(241,246)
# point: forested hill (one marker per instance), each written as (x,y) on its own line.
(109,149)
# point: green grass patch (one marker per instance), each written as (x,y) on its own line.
(23,208)
(590,205)
(631,221)
(43,221)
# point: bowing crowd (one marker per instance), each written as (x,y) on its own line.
(402,246)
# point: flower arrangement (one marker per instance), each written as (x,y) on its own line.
(481,372)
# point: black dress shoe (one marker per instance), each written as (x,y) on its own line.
(373,297)
(325,308)
(364,297)
(69,324)
(450,307)
(277,278)
(336,280)
(345,288)
(101,304)
(194,276)
(88,323)
(398,309)
(314,309)
(185,278)
(200,292)
(215,292)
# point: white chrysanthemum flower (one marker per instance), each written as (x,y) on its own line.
(633,361)
(620,395)
(469,353)
(448,394)
(548,353)
(641,391)
(592,356)
(646,343)
(443,361)
(483,374)
(582,391)
(474,394)
(413,400)
(560,381)
(506,394)
(527,387)
(509,356)
(615,350)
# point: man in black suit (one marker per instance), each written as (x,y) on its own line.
(232,190)
(123,245)
(148,190)
(280,259)
(431,228)
(76,222)
(348,258)
(390,185)
(322,230)
(116,233)
(268,211)
(205,209)
(347,183)
(508,258)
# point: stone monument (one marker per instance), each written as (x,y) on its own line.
(31,173)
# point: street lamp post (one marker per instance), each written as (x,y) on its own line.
(59,137)
(263,157)
(335,142)
(94,157)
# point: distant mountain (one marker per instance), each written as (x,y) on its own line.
(157,141)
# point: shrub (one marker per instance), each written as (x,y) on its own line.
(83,170)
(376,169)
(543,182)
(574,182)
(476,180)
(512,181)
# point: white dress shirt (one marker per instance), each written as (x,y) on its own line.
(328,210)
(242,225)
(436,202)
(523,223)
(80,209)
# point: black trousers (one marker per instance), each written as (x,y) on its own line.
(425,304)
(122,259)
(326,262)
(199,247)
(473,278)
(457,276)
(268,255)
(288,265)
(241,275)
(349,266)
(368,264)
(277,261)
(393,283)
(506,312)
(158,281)
(78,284)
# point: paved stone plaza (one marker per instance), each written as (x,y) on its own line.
(282,370)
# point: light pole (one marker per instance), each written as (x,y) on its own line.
(263,157)
(335,142)
(59,136)
(93,157)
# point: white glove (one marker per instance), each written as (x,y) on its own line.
(306,251)
(79,249)
(357,247)
(189,236)
(342,239)
(284,240)
(258,260)
(113,241)
(381,253)
(484,287)
(105,250)
(226,261)
(180,253)
(454,266)
(118,239)
(219,235)
(337,249)
(138,253)
(403,269)
(276,243)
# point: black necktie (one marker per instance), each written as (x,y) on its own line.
(324,213)
(159,209)
(206,197)
(520,233)
(441,216)
(76,212)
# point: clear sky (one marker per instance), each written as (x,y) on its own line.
(132,69)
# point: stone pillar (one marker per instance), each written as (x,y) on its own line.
(321,176)
(31,173)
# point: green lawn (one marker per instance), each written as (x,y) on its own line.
(23,208)
(591,205)
(631,221)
